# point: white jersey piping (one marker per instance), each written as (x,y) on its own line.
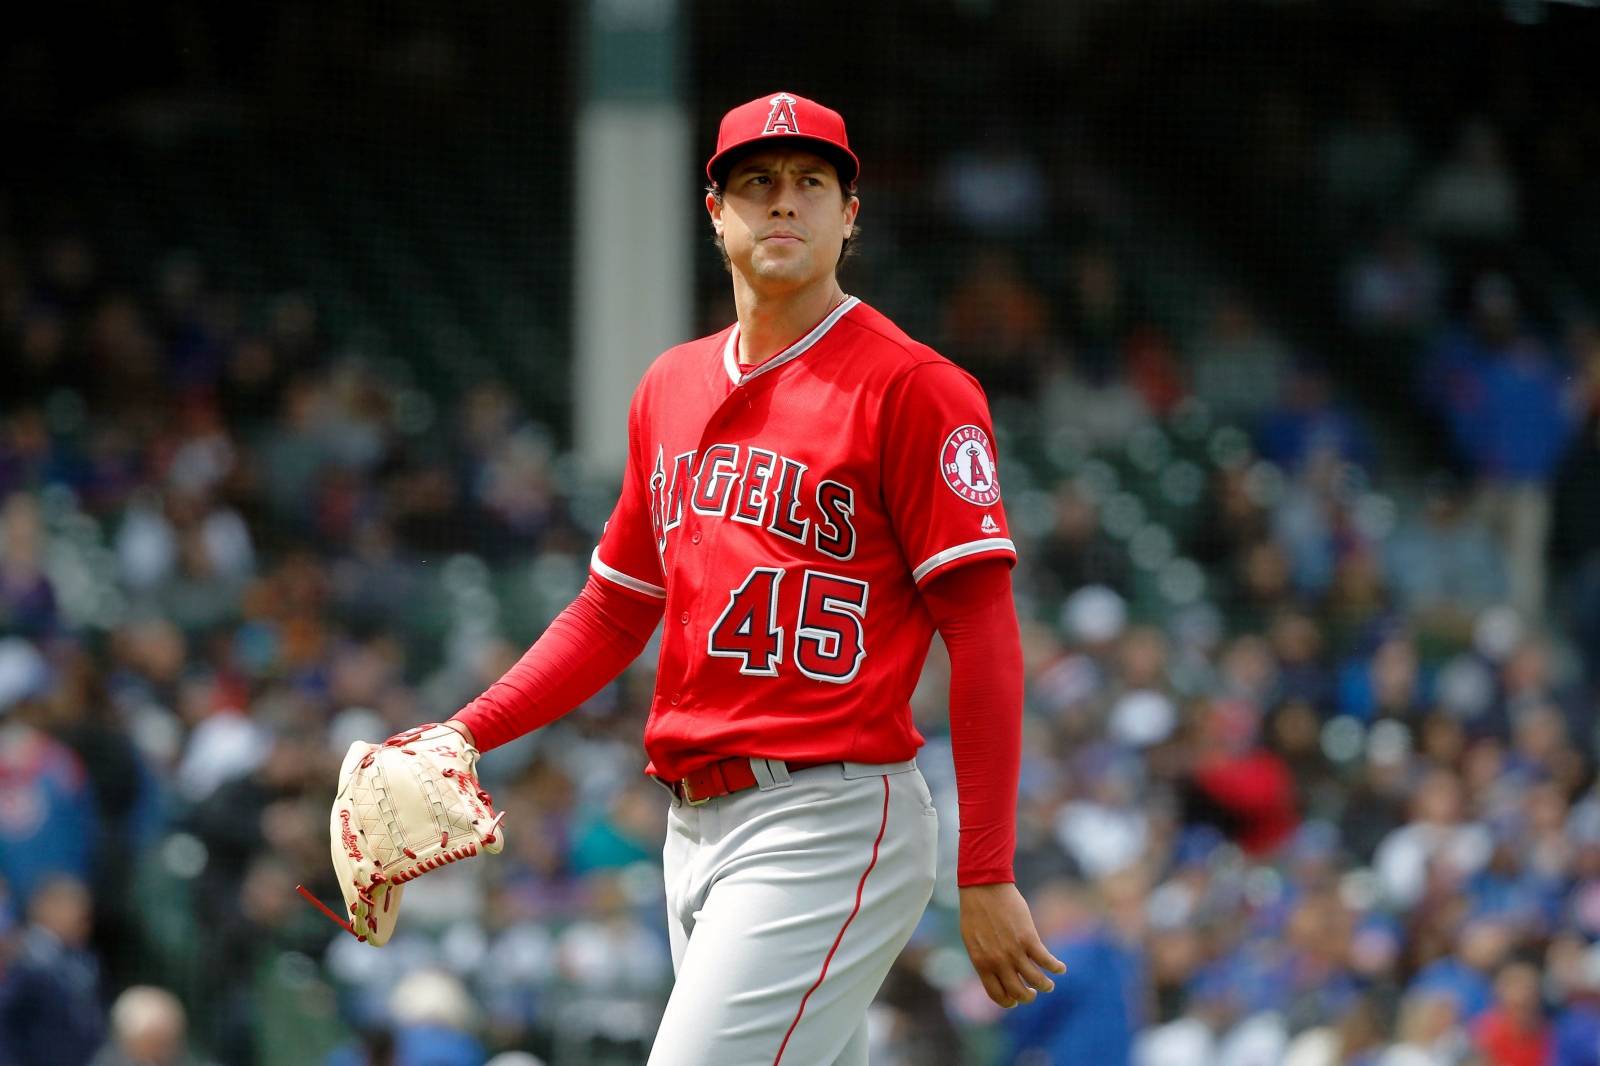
(618,577)
(730,351)
(961,551)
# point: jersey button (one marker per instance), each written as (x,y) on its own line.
(684,618)
(695,537)
(674,699)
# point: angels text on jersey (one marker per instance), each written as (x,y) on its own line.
(757,487)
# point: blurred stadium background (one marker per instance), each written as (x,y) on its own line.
(309,318)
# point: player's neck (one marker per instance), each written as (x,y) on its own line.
(769,323)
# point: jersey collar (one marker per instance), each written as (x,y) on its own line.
(730,350)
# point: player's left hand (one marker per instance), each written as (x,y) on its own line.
(404,808)
(1004,945)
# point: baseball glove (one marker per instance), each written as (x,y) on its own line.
(404,808)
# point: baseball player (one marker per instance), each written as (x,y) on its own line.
(809,494)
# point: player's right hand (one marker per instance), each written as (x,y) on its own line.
(1004,946)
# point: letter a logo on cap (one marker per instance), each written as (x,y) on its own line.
(781,118)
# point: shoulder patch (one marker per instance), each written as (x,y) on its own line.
(967,462)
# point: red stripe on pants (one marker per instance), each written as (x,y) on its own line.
(860,888)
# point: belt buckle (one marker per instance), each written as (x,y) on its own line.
(688,795)
(714,770)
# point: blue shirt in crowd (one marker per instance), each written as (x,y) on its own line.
(1088,1018)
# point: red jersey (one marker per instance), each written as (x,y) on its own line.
(787,513)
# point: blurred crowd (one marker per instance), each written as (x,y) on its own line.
(1324,797)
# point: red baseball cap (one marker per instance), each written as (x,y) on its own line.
(784,117)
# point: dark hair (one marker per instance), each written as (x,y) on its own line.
(845,250)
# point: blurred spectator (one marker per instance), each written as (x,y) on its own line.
(69,271)
(1439,840)
(1302,672)
(1464,974)
(186,535)
(42,364)
(124,358)
(1577,518)
(1387,683)
(1076,551)
(1357,608)
(29,458)
(1358,1036)
(432,1022)
(1503,396)
(1368,155)
(47,820)
(1429,1034)
(1378,801)
(1236,785)
(1099,315)
(1294,735)
(626,831)
(615,967)
(1309,422)
(1263,575)
(1196,1038)
(1154,370)
(148,1028)
(910,1012)
(1575,1034)
(1232,520)
(27,597)
(188,321)
(1096,1016)
(1103,828)
(1443,564)
(1312,520)
(127,801)
(1472,198)
(996,325)
(251,385)
(996,187)
(434,1018)
(1238,366)
(1104,410)
(1576,540)
(1393,288)
(50,1005)
(1514,1032)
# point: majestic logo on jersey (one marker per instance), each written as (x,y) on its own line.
(781,118)
(967,463)
(755,487)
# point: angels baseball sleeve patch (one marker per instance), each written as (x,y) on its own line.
(968,465)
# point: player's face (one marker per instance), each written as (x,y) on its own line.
(783,218)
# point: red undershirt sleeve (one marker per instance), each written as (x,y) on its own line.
(587,645)
(972,607)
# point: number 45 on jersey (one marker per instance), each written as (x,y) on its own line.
(828,631)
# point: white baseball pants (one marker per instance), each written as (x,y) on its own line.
(787,904)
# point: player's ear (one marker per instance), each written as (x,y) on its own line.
(852,207)
(714,209)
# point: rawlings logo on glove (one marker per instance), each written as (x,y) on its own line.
(347,837)
(405,807)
